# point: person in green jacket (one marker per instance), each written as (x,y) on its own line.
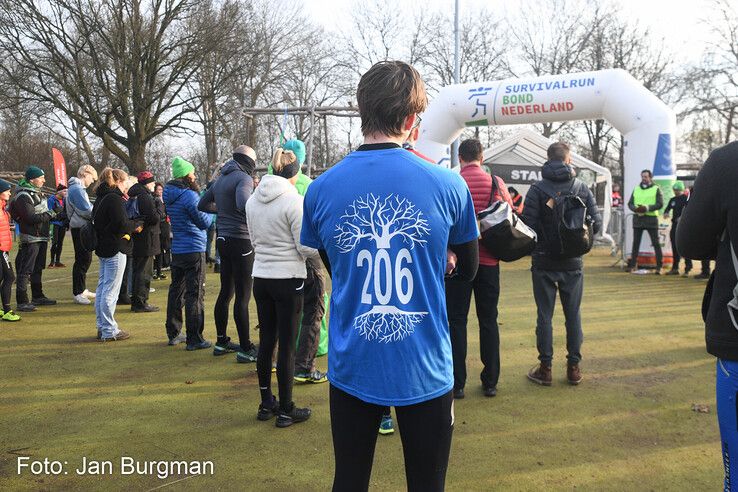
(645,202)
(313,311)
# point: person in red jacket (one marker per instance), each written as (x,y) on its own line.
(6,243)
(486,284)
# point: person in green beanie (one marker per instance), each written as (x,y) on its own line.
(30,210)
(181,196)
(676,207)
(313,311)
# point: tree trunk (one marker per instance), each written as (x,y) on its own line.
(729,126)
(136,157)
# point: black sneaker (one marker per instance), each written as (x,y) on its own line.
(489,391)
(294,416)
(702,276)
(458,393)
(216,268)
(43,301)
(26,307)
(199,346)
(266,413)
(146,308)
(247,356)
(225,348)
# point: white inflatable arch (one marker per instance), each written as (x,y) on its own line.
(647,124)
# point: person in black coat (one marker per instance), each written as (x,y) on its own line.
(163,257)
(146,244)
(114,230)
(551,274)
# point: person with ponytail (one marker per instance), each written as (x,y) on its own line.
(114,231)
(274,217)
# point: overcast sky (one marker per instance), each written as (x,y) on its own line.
(677,21)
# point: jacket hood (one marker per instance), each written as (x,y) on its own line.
(557,171)
(272,187)
(74,181)
(137,189)
(103,189)
(230,167)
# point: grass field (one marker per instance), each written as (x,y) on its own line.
(628,426)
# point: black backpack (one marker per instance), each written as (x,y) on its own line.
(88,233)
(503,233)
(573,234)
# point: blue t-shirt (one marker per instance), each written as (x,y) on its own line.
(385,218)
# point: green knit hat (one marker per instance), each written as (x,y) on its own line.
(181,168)
(679,186)
(33,172)
(297,147)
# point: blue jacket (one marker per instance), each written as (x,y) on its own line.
(188,224)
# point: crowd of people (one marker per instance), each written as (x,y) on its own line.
(403,254)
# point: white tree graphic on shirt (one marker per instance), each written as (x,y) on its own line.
(375,221)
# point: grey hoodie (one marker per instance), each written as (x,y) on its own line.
(227,197)
(79,208)
(274,215)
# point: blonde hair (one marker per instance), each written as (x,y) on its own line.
(281,159)
(86,169)
(112,177)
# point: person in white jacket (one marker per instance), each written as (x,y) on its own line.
(274,218)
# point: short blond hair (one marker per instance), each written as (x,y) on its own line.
(86,169)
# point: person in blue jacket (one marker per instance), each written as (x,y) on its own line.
(189,227)
(59,224)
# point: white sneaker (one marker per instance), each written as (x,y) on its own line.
(88,294)
(151,290)
(81,299)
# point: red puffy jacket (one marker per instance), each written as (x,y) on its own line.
(6,237)
(480,186)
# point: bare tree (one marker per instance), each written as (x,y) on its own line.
(117,68)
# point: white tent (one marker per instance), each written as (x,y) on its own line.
(518,161)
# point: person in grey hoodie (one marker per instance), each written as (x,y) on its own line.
(551,274)
(79,211)
(274,216)
(227,198)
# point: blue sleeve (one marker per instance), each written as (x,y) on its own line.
(200,219)
(80,203)
(309,234)
(464,227)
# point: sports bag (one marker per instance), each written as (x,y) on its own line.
(502,232)
(573,235)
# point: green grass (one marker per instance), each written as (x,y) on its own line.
(628,426)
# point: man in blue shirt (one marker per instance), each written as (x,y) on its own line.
(382,219)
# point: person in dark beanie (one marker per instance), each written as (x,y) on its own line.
(645,203)
(162,258)
(60,224)
(188,257)
(6,243)
(146,244)
(676,205)
(79,211)
(31,211)
(708,229)
(551,274)
(227,197)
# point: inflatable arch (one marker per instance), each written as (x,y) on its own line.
(647,124)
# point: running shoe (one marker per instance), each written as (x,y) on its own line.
(82,299)
(199,345)
(26,307)
(266,413)
(121,335)
(293,416)
(386,427)
(42,301)
(88,294)
(10,316)
(314,377)
(59,265)
(225,347)
(181,338)
(247,356)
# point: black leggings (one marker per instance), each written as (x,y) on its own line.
(6,279)
(57,242)
(425,430)
(278,306)
(236,263)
